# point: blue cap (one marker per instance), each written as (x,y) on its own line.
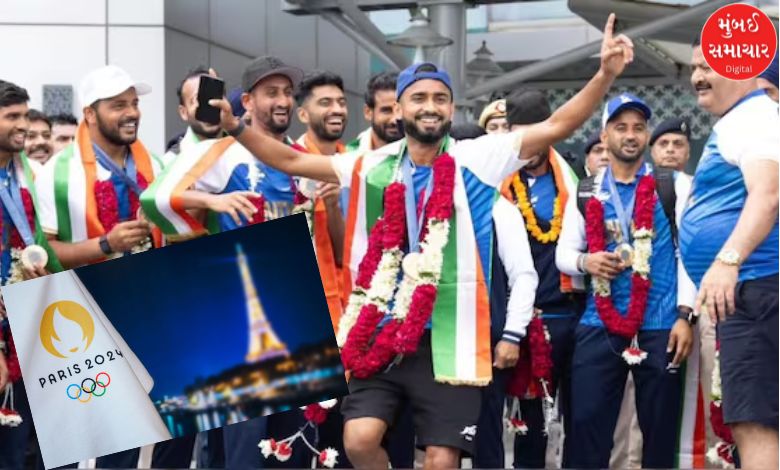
(770,74)
(622,102)
(414,73)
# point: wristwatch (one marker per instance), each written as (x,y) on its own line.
(729,257)
(104,246)
(688,315)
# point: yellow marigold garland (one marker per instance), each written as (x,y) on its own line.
(524,204)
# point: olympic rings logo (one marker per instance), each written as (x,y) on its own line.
(89,387)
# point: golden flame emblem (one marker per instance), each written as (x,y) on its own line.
(66,328)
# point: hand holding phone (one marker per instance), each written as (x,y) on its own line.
(209,88)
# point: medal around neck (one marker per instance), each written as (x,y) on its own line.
(34,256)
(626,253)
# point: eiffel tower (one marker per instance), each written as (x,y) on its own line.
(263,342)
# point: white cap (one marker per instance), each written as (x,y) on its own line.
(107,82)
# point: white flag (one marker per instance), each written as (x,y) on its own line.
(88,392)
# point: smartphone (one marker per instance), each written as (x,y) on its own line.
(209,88)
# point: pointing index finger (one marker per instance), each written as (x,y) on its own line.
(609,27)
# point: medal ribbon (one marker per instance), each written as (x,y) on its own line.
(623,214)
(128,175)
(414,218)
(11,196)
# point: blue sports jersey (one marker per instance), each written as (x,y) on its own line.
(747,131)
(661,311)
(542,194)
(277,188)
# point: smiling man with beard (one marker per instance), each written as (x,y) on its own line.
(621,316)
(540,191)
(729,243)
(379,110)
(323,108)
(445,355)
(187,91)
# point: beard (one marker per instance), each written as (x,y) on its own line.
(113,135)
(7,144)
(201,129)
(624,157)
(321,131)
(389,132)
(426,137)
(269,121)
(537,161)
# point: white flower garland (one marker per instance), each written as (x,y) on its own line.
(383,285)
(643,251)
(427,266)
(15,273)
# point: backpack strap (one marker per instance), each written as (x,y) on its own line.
(664,186)
(585,190)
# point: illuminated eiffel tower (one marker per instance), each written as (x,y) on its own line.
(263,342)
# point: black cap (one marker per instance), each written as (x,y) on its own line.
(674,125)
(466,131)
(266,66)
(527,107)
(594,139)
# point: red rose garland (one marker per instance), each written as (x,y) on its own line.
(626,326)
(532,376)
(396,337)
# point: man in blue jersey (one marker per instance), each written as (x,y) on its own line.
(664,333)
(729,245)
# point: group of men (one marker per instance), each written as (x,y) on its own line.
(609,264)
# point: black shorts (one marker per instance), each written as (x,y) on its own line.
(748,354)
(444,415)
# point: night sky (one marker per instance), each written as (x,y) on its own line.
(182,309)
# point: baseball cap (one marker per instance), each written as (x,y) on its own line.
(527,107)
(622,102)
(267,66)
(495,109)
(421,71)
(674,125)
(107,82)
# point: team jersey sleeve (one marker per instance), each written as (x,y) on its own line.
(515,253)
(751,135)
(686,289)
(491,157)
(571,243)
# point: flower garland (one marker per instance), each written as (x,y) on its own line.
(532,377)
(626,326)
(531,224)
(378,273)
(721,453)
(108,208)
(8,415)
(315,414)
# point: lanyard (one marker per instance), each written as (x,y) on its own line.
(128,175)
(414,221)
(624,215)
(11,195)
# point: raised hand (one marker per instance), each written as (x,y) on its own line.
(616,51)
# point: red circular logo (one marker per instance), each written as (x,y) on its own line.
(738,41)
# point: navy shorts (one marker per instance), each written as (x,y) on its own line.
(444,415)
(748,354)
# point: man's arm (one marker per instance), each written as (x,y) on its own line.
(274,153)
(515,253)
(616,53)
(122,238)
(755,222)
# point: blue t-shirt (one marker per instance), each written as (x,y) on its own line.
(661,311)
(5,258)
(277,188)
(542,194)
(718,193)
